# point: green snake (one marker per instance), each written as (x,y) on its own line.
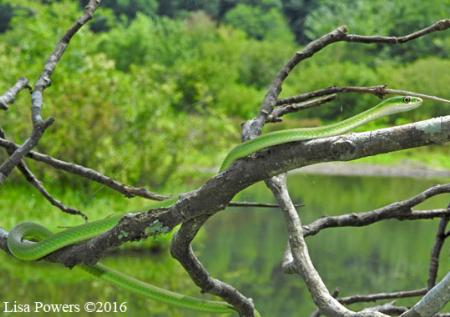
(44,242)
(387,107)
(49,242)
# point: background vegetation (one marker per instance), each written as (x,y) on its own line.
(153,92)
(163,85)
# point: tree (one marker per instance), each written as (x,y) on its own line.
(259,23)
(191,210)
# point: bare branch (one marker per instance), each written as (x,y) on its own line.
(10,95)
(433,301)
(259,205)
(277,113)
(388,308)
(297,247)
(253,127)
(370,217)
(398,210)
(127,190)
(437,26)
(379,91)
(285,157)
(39,124)
(29,176)
(302,263)
(435,253)
(380,296)
(181,250)
(218,191)
(40,187)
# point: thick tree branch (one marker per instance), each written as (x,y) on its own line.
(194,208)
(10,95)
(217,192)
(433,301)
(285,157)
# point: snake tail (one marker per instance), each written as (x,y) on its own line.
(153,292)
(44,242)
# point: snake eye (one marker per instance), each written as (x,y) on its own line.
(407,99)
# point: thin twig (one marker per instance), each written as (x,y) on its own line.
(277,184)
(253,127)
(32,179)
(380,296)
(127,190)
(10,95)
(278,112)
(379,91)
(253,204)
(435,253)
(437,26)
(398,210)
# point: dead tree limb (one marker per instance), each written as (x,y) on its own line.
(44,81)
(435,253)
(10,95)
(194,208)
(379,91)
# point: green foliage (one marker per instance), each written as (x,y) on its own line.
(316,75)
(130,8)
(296,12)
(380,17)
(151,100)
(427,75)
(259,23)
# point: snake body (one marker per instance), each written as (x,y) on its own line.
(45,242)
(384,108)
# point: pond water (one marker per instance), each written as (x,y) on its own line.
(244,247)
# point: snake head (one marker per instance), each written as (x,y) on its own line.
(399,104)
(412,101)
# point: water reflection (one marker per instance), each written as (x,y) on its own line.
(244,247)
